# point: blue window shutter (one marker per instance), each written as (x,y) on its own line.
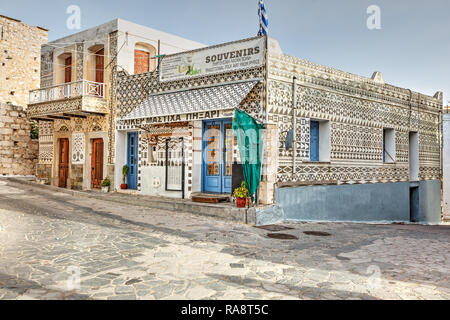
(314,141)
(289,139)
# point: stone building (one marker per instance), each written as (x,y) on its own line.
(18,153)
(446,163)
(20,50)
(336,146)
(20,57)
(75,107)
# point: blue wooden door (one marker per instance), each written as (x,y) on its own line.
(314,142)
(217,159)
(227,168)
(132,160)
(212,177)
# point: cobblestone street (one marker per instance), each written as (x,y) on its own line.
(127,252)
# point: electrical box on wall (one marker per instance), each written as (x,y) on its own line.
(156,183)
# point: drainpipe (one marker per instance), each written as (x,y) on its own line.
(441,172)
(440,142)
(410,109)
(294,126)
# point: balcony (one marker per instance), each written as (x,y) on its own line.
(75,99)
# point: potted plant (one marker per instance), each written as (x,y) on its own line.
(241,195)
(124,174)
(106,183)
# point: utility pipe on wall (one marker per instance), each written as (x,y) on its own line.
(294,126)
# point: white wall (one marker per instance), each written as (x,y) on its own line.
(121,157)
(197,154)
(389,145)
(414,156)
(324,141)
(170,43)
(99,35)
(154,183)
(446,165)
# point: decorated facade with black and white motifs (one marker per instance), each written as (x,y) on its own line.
(365,125)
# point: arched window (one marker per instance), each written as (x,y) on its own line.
(143,61)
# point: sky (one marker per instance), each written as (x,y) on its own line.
(412,48)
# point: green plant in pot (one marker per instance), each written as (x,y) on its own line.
(124,174)
(241,195)
(106,184)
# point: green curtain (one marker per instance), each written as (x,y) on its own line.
(248,134)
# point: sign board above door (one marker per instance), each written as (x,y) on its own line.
(219,59)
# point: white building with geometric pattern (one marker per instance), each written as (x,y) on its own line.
(337,146)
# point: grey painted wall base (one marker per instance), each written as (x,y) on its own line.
(430,202)
(446,165)
(382,202)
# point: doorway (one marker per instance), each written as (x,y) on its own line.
(68,70)
(63,168)
(217,168)
(97,164)
(99,68)
(132,176)
(414,204)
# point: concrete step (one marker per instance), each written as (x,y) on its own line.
(209,198)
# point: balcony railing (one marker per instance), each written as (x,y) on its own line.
(68,90)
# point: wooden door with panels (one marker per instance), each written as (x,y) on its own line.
(68,70)
(217,166)
(99,69)
(97,164)
(63,167)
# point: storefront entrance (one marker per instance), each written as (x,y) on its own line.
(217,160)
(132,157)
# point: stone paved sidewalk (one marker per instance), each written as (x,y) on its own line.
(129,252)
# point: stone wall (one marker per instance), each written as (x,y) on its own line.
(18,152)
(20,58)
(77,177)
(44,173)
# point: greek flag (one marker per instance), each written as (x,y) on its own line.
(263,19)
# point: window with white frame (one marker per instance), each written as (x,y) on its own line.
(319,141)
(388,145)
(414,156)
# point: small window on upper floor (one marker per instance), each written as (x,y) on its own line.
(141,61)
(388,145)
(143,55)
(2,32)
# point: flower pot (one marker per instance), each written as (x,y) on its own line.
(240,202)
(123,186)
(105,189)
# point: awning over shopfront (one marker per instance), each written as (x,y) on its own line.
(221,97)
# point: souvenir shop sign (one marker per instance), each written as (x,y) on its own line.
(220,59)
(203,115)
